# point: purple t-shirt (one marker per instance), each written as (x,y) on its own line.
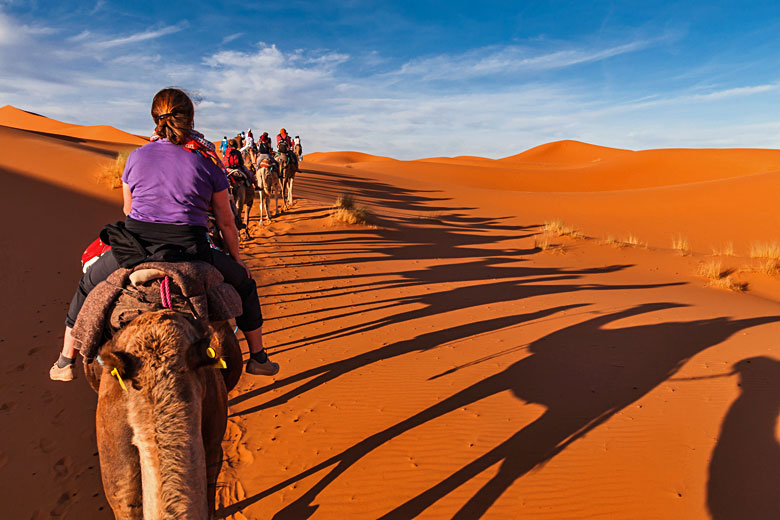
(171,184)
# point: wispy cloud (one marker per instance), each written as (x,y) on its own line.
(689,98)
(137,37)
(511,59)
(230,37)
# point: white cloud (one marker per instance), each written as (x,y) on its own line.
(230,37)
(137,37)
(504,60)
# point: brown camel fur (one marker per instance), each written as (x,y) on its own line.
(287,169)
(160,440)
(243,196)
(270,186)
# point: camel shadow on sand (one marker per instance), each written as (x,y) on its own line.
(745,467)
(582,374)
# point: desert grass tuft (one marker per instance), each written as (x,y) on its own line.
(765,250)
(768,266)
(558,228)
(112,175)
(543,243)
(712,270)
(726,249)
(718,277)
(630,241)
(680,244)
(345,210)
(633,240)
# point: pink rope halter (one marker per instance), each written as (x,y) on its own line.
(165,293)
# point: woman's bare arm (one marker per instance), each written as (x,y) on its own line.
(128,198)
(226,221)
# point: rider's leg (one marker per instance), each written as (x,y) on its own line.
(251,320)
(99,271)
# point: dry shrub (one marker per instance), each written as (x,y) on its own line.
(112,175)
(558,228)
(345,210)
(631,240)
(768,266)
(765,250)
(726,249)
(712,270)
(718,277)
(680,244)
(543,243)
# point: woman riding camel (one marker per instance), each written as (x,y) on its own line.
(168,186)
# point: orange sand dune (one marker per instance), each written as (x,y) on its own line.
(344,158)
(710,211)
(13,117)
(438,364)
(562,152)
(622,171)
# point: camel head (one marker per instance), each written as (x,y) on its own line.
(159,356)
(157,344)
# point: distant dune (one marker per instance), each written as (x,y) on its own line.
(16,118)
(567,151)
(343,158)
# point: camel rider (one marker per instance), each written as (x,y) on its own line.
(297,148)
(223,146)
(264,149)
(287,146)
(282,136)
(168,185)
(267,140)
(249,142)
(235,161)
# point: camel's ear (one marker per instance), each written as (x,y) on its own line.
(126,364)
(198,354)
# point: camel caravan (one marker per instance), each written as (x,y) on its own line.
(151,316)
(252,165)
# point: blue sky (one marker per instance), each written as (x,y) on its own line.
(409,79)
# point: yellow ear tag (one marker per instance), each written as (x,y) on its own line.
(220,363)
(115,373)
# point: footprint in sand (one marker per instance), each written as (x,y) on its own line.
(46,445)
(231,443)
(47,396)
(17,368)
(62,468)
(230,491)
(7,406)
(62,505)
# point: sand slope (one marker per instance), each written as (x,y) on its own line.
(13,117)
(439,364)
